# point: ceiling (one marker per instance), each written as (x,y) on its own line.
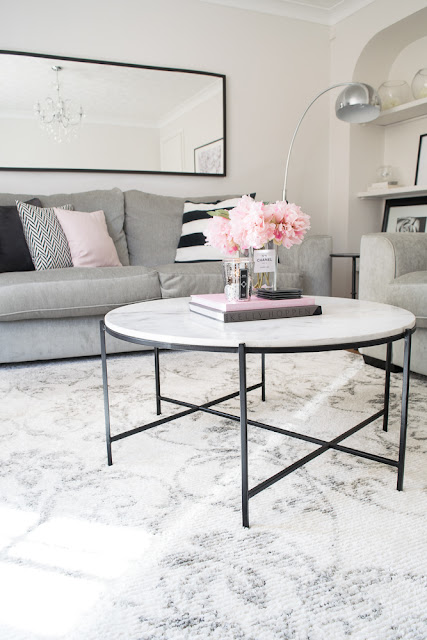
(327,12)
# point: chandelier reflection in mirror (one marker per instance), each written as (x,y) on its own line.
(58,117)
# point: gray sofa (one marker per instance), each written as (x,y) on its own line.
(55,313)
(393,269)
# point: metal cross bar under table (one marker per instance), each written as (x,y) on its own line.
(242,350)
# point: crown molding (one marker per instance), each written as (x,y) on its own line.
(327,12)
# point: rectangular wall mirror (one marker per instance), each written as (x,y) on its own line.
(71,114)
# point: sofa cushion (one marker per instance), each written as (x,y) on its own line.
(64,293)
(410,292)
(45,237)
(111,201)
(14,252)
(153,225)
(88,238)
(178,280)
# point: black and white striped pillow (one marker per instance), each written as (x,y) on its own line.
(46,240)
(192,247)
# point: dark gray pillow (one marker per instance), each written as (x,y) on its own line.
(14,252)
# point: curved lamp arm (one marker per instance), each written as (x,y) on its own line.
(334,86)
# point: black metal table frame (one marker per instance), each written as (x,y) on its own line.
(242,350)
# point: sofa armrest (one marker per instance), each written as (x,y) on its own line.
(315,265)
(386,256)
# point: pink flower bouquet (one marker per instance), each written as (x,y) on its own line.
(252,224)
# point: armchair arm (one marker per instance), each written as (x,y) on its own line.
(386,256)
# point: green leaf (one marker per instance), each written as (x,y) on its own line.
(223,213)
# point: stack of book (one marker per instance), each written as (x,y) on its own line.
(217,307)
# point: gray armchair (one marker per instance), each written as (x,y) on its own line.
(393,269)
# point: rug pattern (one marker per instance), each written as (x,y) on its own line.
(152,548)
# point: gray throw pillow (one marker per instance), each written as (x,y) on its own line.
(46,240)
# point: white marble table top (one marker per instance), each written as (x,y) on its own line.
(343,321)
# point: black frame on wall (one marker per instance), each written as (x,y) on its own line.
(411,220)
(52,57)
(421,170)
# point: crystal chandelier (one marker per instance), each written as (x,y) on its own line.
(58,117)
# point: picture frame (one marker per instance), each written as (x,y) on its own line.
(405,215)
(209,158)
(421,172)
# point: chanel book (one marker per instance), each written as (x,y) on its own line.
(247,315)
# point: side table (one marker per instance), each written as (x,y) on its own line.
(354,257)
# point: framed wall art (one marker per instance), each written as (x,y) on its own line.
(209,158)
(421,172)
(406,215)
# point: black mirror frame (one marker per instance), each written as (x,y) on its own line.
(135,66)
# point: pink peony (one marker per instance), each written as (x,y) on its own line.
(252,224)
(218,235)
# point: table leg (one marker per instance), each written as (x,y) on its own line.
(263,376)
(387,385)
(404,409)
(244,435)
(105,387)
(157,377)
(353,277)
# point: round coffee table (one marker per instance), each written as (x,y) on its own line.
(344,323)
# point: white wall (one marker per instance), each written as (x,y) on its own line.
(273,65)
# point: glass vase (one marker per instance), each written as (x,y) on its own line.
(393,93)
(238,275)
(265,267)
(419,84)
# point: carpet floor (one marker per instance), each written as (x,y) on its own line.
(152,548)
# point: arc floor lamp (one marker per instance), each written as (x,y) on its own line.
(357,103)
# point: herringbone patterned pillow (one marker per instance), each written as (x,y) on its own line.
(46,240)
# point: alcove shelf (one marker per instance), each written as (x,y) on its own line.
(395,192)
(407,111)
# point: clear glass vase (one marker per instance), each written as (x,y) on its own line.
(393,93)
(265,267)
(238,275)
(419,84)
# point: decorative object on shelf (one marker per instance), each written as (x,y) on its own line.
(238,273)
(405,215)
(419,84)
(357,103)
(209,158)
(385,173)
(250,225)
(421,172)
(394,93)
(58,117)
(385,179)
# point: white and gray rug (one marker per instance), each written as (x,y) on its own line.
(152,548)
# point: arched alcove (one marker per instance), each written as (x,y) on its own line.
(391,51)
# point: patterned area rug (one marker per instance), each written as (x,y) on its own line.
(152,548)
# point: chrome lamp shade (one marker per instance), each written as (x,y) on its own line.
(358,103)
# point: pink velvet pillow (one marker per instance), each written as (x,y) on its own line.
(88,238)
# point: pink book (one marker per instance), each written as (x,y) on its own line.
(219,301)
